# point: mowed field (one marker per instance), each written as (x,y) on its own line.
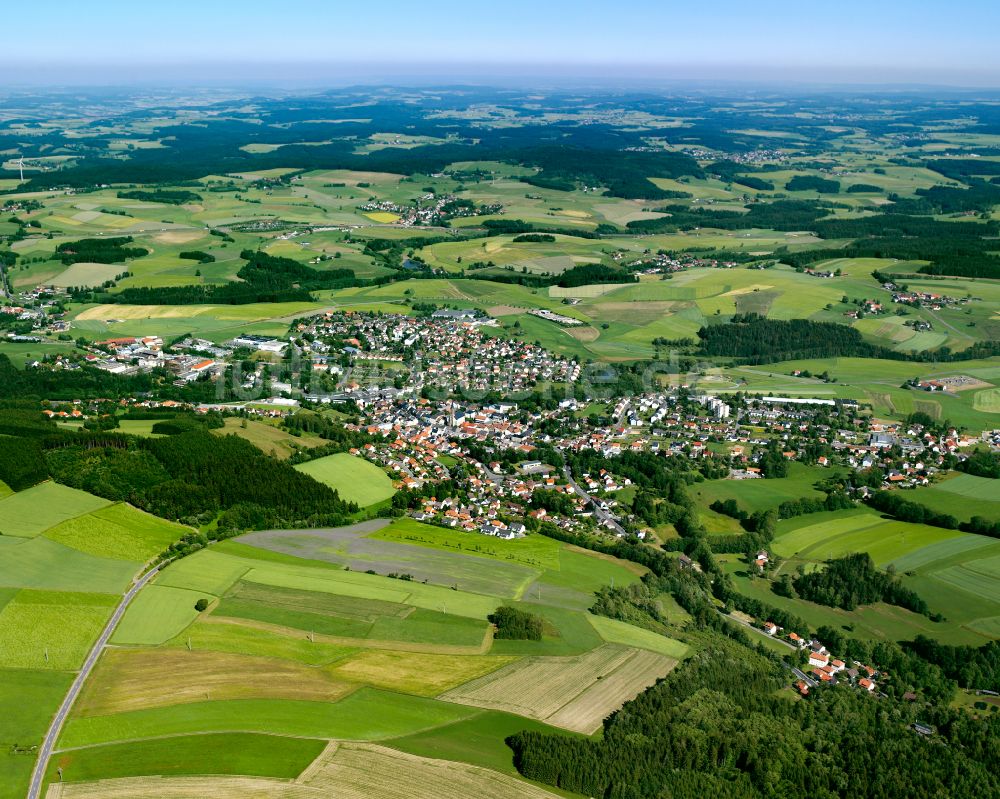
(355,479)
(574,693)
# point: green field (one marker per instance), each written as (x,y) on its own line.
(956,573)
(366,715)
(756,495)
(248,754)
(51,629)
(119,532)
(157,615)
(355,479)
(28,513)
(962,496)
(45,564)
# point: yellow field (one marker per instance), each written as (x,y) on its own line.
(127,680)
(345,771)
(383,217)
(415,673)
(247,313)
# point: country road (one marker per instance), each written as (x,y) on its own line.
(604,516)
(41,766)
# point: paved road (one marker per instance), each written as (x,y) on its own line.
(41,766)
(601,514)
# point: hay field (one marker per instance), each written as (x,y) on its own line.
(575,693)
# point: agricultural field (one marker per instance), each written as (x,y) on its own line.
(31,512)
(574,693)
(955,573)
(65,559)
(354,771)
(399,660)
(962,496)
(355,479)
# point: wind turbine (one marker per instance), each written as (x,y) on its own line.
(20,165)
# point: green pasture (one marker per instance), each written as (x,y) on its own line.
(764,494)
(244,754)
(120,532)
(44,564)
(366,715)
(31,512)
(157,614)
(354,479)
(51,630)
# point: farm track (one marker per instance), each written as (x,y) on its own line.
(55,729)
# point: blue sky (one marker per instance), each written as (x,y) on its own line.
(875,41)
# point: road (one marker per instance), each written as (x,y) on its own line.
(602,515)
(41,766)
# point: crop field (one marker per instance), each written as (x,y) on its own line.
(51,629)
(844,532)
(119,532)
(366,715)
(87,275)
(127,679)
(212,634)
(962,496)
(416,673)
(618,632)
(349,617)
(574,693)
(28,700)
(31,512)
(157,615)
(44,564)
(347,770)
(955,573)
(247,754)
(355,479)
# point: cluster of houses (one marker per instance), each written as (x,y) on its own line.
(449,350)
(658,263)
(430,209)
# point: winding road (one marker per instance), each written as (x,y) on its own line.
(55,728)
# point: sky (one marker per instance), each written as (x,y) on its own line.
(313,42)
